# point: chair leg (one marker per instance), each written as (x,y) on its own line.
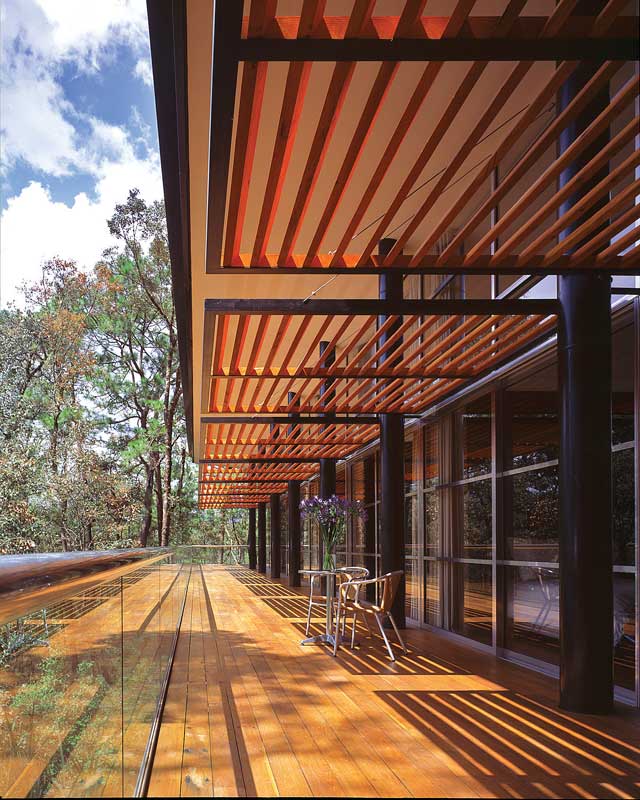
(353,630)
(395,628)
(308,618)
(366,622)
(384,636)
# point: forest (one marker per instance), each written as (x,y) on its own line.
(94,451)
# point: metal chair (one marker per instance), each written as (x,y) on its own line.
(349,600)
(343,575)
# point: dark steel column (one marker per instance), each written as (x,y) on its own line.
(262,537)
(251,538)
(293,511)
(327,465)
(584,359)
(294,532)
(275,535)
(392,459)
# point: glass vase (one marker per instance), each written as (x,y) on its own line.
(329,559)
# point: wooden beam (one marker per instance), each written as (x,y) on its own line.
(321,419)
(441,50)
(357,307)
(227,27)
(483,266)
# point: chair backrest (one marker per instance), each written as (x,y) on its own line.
(346,574)
(391,583)
(355,573)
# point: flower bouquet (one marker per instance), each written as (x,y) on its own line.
(331,515)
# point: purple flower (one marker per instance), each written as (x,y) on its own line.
(331,515)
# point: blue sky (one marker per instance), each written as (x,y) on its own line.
(77,128)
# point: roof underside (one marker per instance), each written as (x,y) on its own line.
(388,129)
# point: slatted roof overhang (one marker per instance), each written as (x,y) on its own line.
(223,483)
(329,133)
(348,193)
(263,355)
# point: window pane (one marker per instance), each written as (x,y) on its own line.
(472,526)
(533,498)
(624,628)
(410,526)
(472,610)
(411,596)
(623,523)
(533,435)
(473,425)
(532,618)
(432,592)
(431,455)
(623,360)
(432,523)
(409,469)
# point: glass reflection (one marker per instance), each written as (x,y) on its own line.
(472,611)
(473,532)
(624,628)
(532,618)
(432,523)
(411,602)
(474,439)
(624,502)
(533,498)
(431,592)
(533,429)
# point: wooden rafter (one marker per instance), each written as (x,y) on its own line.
(452,350)
(266,416)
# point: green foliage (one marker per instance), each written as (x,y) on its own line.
(92,430)
(13,639)
(39,697)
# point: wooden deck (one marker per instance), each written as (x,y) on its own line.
(251,712)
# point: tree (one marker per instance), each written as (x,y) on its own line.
(135,334)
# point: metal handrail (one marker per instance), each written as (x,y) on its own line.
(22,571)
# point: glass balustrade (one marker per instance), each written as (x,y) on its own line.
(84,655)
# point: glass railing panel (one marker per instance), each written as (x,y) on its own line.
(229,555)
(142,664)
(82,669)
(61,697)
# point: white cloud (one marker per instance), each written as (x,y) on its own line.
(77,30)
(35,127)
(35,228)
(143,71)
(38,37)
(39,126)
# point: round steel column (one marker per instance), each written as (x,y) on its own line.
(392,459)
(274,514)
(327,465)
(293,489)
(584,361)
(251,538)
(262,537)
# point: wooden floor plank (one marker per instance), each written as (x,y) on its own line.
(259,715)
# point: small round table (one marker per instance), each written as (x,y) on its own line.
(327,637)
